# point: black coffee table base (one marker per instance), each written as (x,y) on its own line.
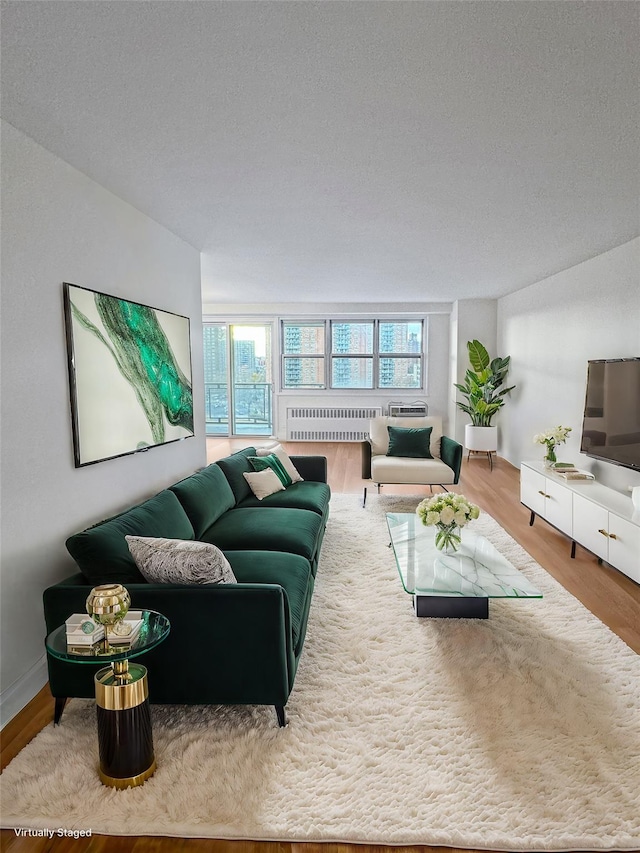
(450,607)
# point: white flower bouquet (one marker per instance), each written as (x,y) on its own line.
(551,439)
(448,513)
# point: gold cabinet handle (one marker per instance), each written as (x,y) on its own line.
(544,494)
(607,534)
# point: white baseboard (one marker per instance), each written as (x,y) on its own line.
(22,691)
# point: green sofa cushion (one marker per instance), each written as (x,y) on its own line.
(291,572)
(413,443)
(294,531)
(303,495)
(204,496)
(101,551)
(234,467)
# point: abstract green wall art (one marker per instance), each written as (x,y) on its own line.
(129,375)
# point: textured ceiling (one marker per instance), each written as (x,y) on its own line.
(346,151)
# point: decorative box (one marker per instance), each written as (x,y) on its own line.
(82,630)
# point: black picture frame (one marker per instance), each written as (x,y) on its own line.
(130,375)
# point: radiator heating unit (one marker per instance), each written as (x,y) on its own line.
(330,424)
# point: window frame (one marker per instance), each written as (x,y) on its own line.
(300,355)
(333,356)
(375,355)
(420,355)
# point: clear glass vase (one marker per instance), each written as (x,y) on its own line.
(550,457)
(448,538)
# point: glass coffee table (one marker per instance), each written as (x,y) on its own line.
(122,700)
(452,585)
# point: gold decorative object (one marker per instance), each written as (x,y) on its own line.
(108,604)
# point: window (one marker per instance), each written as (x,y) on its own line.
(237,378)
(362,354)
(400,360)
(351,355)
(303,362)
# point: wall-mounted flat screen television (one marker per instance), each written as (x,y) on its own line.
(129,375)
(611,424)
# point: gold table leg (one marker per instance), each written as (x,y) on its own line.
(125,737)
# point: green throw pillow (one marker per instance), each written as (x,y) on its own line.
(411,442)
(260,463)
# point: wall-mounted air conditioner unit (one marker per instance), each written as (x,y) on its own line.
(418,409)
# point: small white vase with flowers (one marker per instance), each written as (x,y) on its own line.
(551,439)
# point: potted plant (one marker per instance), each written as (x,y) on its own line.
(483,399)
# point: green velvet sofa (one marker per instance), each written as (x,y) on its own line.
(229,643)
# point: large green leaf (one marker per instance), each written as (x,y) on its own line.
(500,364)
(478,356)
(465,408)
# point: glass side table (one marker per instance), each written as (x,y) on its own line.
(122,700)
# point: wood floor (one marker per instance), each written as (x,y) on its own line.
(611,596)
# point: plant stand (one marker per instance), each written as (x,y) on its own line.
(481,440)
(488,453)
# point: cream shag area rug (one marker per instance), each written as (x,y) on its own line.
(521,732)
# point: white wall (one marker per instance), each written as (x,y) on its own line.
(551,329)
(57,225)
(471,319)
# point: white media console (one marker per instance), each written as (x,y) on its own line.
(600,519)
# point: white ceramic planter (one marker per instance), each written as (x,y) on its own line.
(484,439)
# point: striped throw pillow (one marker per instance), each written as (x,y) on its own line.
(260,463)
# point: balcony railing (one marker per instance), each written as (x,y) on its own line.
(252,413)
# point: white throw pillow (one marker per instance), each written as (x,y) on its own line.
(179,561)
(264,483)
(282,455)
